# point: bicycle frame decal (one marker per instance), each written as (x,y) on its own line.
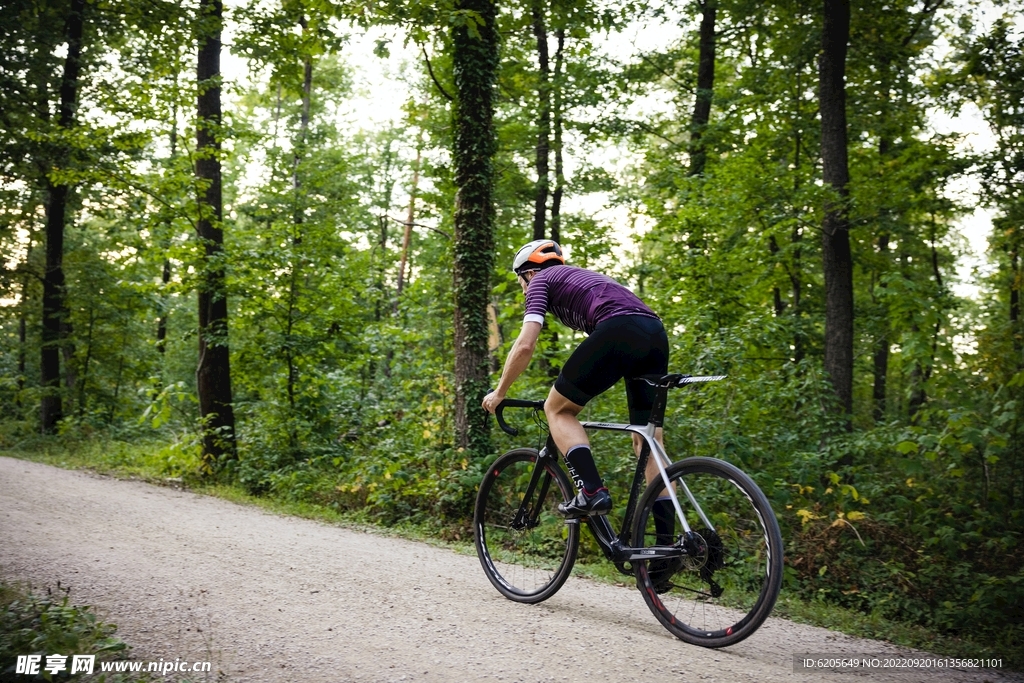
(614,426)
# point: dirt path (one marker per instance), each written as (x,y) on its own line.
(269,598)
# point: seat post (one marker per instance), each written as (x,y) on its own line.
(658,408)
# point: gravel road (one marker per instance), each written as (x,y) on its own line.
(268,598)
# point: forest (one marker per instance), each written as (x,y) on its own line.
(226,269)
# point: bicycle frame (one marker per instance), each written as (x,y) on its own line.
(649,448)
(616,547)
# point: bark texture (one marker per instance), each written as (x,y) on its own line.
(705,88)
(837,259)
(543,148)
(880,356)
(213,374)
(475,65)
(58,195)
(556,196)
(410,218)
(165,275)
(1015,282)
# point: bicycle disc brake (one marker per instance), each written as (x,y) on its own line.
(705,554)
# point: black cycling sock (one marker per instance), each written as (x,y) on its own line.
(582,469)
(664,521)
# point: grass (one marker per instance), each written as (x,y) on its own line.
(161,464)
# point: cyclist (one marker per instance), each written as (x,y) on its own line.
(625,340)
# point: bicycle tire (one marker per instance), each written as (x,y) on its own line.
(722,593)
(526,562)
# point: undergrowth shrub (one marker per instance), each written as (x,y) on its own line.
(33,623)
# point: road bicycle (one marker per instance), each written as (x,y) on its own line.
(711,575)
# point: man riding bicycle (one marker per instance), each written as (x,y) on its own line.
(625,340)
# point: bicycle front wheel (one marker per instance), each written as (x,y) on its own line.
(525,545)
(726,585)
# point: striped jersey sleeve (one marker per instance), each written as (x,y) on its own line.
(581,299)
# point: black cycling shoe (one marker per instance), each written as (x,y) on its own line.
(587,506)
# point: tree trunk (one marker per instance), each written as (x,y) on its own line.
(556,197)
(120,368)
(298,217)
(87,360)
(300,148)
(880,355)
(796,280)
(22,338)
(778,304)
(918,396)
(922,372)
(796,236)
(23,332)
(1015,331)
(165,275)
(67,353)
(213,374)
(543,150)
(881,352)
(161,322)
(382,301)
(54,306)
(837,259)
(475,65)
(705,87)
(409,220)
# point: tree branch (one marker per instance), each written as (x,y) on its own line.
(420,225)
(927,10)
(430,70)
(682,86)
(149,193)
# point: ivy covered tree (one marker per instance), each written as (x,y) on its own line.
(475,49)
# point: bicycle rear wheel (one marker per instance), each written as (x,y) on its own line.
(725,588)
(525,546)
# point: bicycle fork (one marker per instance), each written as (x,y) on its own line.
(526,517)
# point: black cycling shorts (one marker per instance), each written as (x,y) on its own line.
(625,346)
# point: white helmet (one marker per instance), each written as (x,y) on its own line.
(537,254)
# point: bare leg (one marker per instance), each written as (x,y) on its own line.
(563,420)
(651,473)
(566,430)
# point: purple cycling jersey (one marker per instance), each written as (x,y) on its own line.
(580,299)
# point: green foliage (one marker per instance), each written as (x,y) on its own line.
(31,623)
(345,383)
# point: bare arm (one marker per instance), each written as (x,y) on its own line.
(517,361)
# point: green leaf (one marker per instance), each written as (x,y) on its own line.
(905,447)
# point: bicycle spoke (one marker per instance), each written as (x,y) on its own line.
(726,585)
(526,548)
